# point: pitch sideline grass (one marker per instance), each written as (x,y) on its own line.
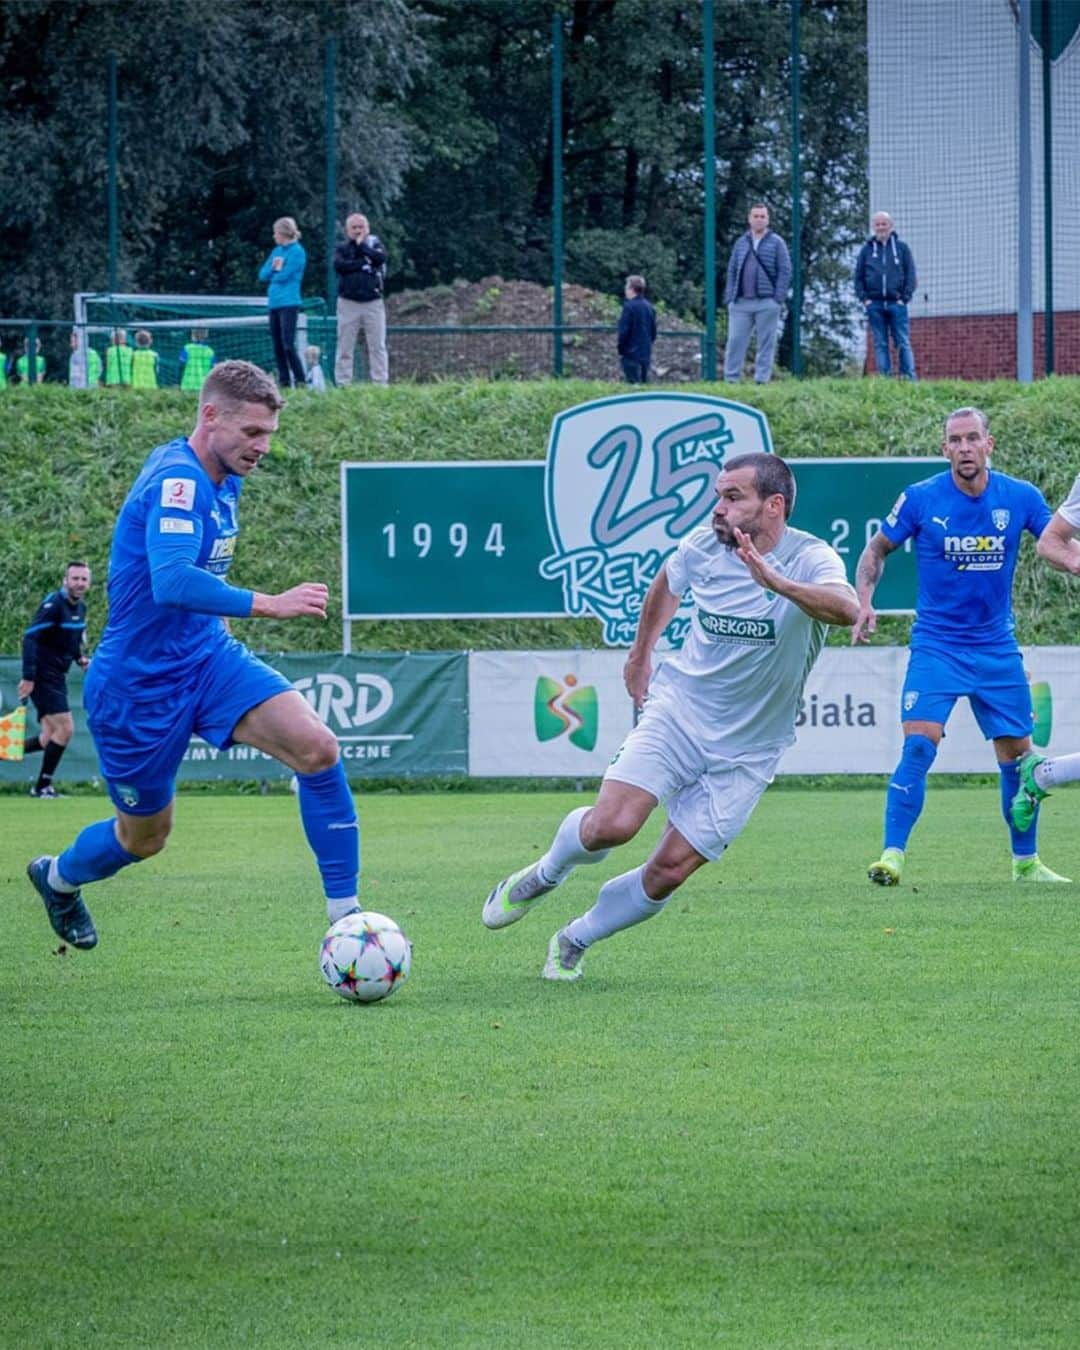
(794,1110)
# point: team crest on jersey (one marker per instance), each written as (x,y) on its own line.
(1000,517)
(910,699)
(178,493)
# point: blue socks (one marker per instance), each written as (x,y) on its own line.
(1023,845)
(95,855)
(907,790)
(329,817)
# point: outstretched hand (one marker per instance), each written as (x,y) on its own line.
(306,600)
(756,565)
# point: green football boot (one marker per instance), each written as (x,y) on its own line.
(886,871)
(1031,869)
(1023,806)
(563,958)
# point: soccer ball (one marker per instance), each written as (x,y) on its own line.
(365,957)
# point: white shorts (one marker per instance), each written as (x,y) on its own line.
(709,799)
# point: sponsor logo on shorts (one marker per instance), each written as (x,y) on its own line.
(178,493)
(910,699)
(559,708)
(175,525)
(735,628)
(127,794)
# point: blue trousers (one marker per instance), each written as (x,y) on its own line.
(890,318)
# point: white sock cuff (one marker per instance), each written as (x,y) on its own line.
(622,903)
(566,849)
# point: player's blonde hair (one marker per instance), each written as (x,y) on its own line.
(235,382)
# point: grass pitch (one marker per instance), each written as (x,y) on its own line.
(793,1111)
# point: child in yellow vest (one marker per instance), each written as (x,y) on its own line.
(144,362)
(118,358)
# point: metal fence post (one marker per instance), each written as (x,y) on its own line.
(796,196)
(708,44)
(556,190)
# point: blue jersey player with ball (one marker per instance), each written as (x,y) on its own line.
(966,524)
(167,667)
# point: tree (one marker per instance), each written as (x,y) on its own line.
(221,131)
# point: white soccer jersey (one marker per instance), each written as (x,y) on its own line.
(1070,507)
(739,676)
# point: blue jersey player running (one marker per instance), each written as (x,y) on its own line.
(967,525)
(167,668)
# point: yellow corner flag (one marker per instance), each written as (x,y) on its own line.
(13,733)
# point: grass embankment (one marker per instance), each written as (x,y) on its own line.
(67,459)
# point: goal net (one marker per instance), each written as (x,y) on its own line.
(232,326)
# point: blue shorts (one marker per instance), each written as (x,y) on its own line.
(993,681)
(141,744)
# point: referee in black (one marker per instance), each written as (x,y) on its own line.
(55,638)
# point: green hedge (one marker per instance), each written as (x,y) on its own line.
(67,459)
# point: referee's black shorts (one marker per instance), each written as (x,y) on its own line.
(50,696)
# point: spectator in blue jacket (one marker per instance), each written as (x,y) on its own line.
(758,277)
(284,271)
(637,332)
(885,282)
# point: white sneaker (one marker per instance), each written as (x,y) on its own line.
(563,958)
(515,895)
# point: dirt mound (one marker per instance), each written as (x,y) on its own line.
(504,337)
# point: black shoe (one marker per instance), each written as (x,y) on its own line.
(68,915)
(48,792)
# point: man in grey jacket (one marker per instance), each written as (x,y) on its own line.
(758,277)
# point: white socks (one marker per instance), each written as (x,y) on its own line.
(567,851)
(1051,773)
(337,909)
(622,902)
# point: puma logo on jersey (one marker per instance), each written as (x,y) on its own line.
(943,521)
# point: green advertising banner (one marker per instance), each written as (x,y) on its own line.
(394,715)
(487,540)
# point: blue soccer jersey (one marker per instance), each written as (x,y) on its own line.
(172,546)
(966,549)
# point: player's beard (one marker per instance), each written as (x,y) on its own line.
(725,531)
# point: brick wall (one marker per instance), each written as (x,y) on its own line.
(983,346)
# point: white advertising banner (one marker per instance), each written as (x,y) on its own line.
(552,714)
(565,713)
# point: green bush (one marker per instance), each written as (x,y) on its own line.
(68,458)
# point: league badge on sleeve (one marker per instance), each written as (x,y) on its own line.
(178,493)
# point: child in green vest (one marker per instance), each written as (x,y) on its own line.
(196,360)
(144,362)
(118,357)
(22,365)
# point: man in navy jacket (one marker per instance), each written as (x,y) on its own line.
(637,332)
(758,277)
(885,282)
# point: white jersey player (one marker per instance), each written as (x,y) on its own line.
(718,714)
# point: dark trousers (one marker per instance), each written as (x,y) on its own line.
(635,371)
(283,335)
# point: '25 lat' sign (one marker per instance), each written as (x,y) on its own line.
(585,531)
